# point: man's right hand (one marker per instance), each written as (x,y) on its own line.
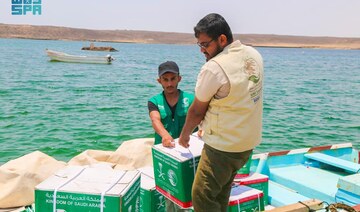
(184,140)
(168,141)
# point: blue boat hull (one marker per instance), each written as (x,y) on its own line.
(300,174)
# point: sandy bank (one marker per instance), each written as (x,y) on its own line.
(134,36)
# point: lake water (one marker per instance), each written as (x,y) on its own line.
(312,96)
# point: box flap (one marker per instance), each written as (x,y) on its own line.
(253,178)
(147,182)
(240,194)
(180,153)
(148,170)
(90,180)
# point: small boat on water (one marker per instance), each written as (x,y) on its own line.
(63,57)
(330,174)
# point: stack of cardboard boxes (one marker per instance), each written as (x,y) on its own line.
(257,181)
(101,188)
(84,188)
(175,170)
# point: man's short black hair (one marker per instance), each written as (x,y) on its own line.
(214,25)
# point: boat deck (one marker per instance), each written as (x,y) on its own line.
(308,181)
(328,173)
(280,195)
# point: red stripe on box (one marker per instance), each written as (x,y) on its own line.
(247,182)
(241,175)
(319,148)
(279,153)
(172,198)
(359,157)
(246,199)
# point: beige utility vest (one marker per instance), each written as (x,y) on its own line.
(234,123)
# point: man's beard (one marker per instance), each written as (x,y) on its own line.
(218,50)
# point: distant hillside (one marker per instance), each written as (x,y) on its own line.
(134,36)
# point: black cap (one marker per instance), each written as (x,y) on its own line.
(168,66)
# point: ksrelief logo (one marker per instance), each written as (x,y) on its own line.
(252,70)
(172,177)
(186,102)
(161,203)
(23,7)
(160,171)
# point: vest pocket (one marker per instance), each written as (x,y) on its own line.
(211,123)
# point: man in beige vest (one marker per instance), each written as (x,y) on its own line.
(229,103)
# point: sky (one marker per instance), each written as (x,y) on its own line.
(333,18)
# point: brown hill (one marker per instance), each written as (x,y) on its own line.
(134,36)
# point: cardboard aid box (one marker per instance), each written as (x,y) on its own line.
(245,170)
(150,199)
(257,181)
(84,188)
(245,199)
(174,170)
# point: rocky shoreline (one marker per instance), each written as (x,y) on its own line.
(137,36)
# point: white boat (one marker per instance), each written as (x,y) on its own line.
(63,57)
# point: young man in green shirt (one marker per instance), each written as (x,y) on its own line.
(167,111)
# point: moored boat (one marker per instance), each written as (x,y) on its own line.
(330,174)
(63,57)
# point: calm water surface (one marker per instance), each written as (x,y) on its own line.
(312,96)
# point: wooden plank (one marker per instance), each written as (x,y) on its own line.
(304,206)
